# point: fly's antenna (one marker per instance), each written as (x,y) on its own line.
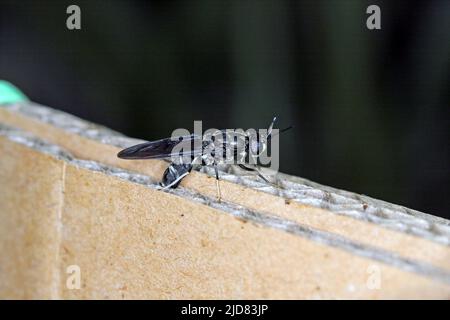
(283,130)
(269,131)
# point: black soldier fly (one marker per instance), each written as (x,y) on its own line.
(211,149)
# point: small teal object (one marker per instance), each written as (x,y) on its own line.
(10,94)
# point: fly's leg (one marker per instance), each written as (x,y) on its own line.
(219,194)
(259,175)
(253,169)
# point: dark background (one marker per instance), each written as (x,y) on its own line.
(370,108)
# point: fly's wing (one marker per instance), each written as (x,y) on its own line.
(162,149)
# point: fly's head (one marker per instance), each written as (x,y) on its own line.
(257,146)
(258,143)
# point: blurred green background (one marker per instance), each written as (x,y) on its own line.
(369,108)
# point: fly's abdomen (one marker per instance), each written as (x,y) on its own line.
(174,174)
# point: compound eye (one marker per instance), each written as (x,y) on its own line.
(254,146)
(257,148)
(262,148)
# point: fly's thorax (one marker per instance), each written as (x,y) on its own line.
(220,146)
